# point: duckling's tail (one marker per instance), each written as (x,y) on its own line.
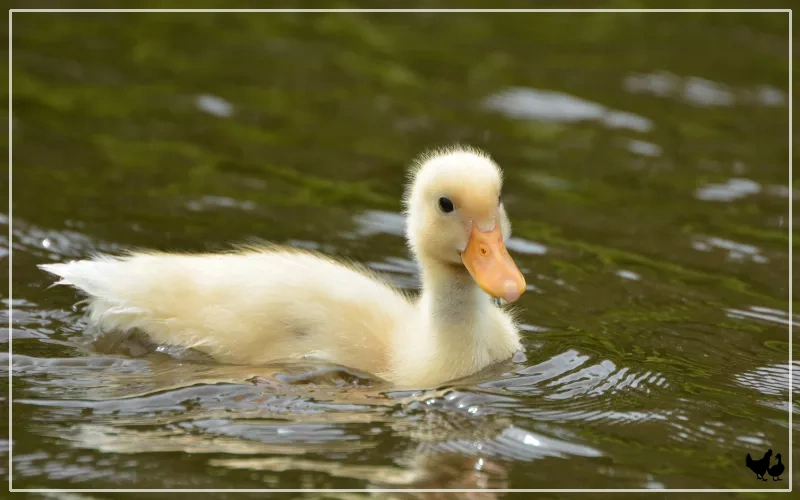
(90,276)
(180,300)
(102,279)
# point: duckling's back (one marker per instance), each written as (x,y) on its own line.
(247,307)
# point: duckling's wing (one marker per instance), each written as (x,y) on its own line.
(247,307)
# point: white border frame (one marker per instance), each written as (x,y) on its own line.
(401,490)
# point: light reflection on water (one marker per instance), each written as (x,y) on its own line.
(545,105)
(700,91)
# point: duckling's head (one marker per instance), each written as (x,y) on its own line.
(456,217)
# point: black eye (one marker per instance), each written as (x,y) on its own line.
(500,199)
(446,205)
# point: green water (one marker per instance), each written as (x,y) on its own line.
(646,176)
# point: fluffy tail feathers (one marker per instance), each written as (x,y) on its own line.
(95,277)
(103,280)
(70,274)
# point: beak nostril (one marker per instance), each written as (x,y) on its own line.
(484,251)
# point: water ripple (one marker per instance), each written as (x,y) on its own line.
(518,444)
(568,380)
(769,315)
(51,243)
(772,380)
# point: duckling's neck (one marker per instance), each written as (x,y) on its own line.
(459,330)
(453,302)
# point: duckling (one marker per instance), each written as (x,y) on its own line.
(254,305)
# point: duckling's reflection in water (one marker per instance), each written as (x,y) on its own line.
(420,471)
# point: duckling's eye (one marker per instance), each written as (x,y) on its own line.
(446,205)
(500,199)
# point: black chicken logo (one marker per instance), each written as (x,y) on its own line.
(761,466)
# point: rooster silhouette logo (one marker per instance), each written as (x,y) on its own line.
(761,466)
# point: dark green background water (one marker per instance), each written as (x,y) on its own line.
(646,163)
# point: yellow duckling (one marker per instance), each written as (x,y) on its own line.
(255,305)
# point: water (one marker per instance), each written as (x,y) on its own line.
(646,166)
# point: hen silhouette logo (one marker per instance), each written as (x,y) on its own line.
(761,466)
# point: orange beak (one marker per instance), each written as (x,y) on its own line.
(490,265)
